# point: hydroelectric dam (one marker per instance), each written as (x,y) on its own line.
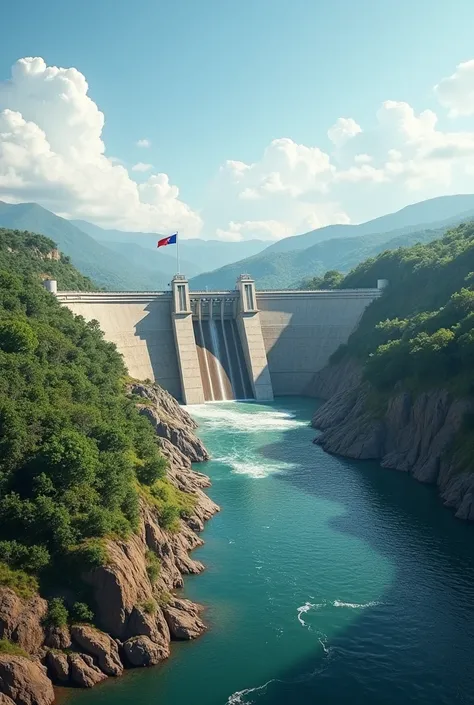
(217,345)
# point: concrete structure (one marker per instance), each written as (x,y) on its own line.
(190,374)
(211,345)
(248,322)
(301,330)
(51,285)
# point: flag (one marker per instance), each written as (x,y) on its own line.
(170,240)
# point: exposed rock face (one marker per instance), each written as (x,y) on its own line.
(20,620)
(142,651)
(57,638)
(333,379)
(414,434)
(100,645)
(170,421)
(183,619)
(5,700)
(24,682)
(58,667)
(83,671)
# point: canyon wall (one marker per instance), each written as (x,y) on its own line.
(413,433)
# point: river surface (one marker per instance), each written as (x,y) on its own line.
(328,581)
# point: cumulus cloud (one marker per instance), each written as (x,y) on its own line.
(343,130)
(143,143)
(140,166)
(362,158)
(402,158)
(456,92)
(51,151)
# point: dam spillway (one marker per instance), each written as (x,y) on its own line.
(216,346)
(222,364)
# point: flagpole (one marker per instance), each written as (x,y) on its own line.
(177,251)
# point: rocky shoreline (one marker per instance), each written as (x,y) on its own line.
(414,433)
(136,618)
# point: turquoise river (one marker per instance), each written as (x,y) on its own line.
(328,581)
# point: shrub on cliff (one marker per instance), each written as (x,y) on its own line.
(57,615)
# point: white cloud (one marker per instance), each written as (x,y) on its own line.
(293,188)
(281,194)
(254,229)
(143,143)
(140,166)
(457,91)
(343,130)
(362,158)
(51,152)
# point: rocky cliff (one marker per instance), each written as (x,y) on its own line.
(137,613)
(411,433)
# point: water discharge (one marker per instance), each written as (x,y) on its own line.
(328,581)
(217,352)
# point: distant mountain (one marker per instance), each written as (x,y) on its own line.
(203,254)
(273,270)
(411,217)
(110,269)
(155,260)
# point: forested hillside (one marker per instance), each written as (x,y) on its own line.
(24,253)
(75,455)
(422,328)
(111,270)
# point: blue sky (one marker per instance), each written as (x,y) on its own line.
(213,80)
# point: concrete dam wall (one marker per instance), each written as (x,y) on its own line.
(212,346)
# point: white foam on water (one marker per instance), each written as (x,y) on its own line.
(253,467)
(219,416)
(323,640)
(355,605)
(237,698)
(336,603)
(302,610)
(240,697)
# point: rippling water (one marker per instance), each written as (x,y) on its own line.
(328,581)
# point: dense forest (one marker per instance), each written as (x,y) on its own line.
(75,455)
(421,330)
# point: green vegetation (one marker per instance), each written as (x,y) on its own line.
(24,253)
(7,647)
(17,580)
(170,503)
(421,330)
(81,612)
(153,566)
(149,607)
(330,280)
(57,615)
(75,454)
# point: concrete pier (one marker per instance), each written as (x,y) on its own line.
(250,330)
(191,383)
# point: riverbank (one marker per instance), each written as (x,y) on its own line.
(418,433)
(137,611)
